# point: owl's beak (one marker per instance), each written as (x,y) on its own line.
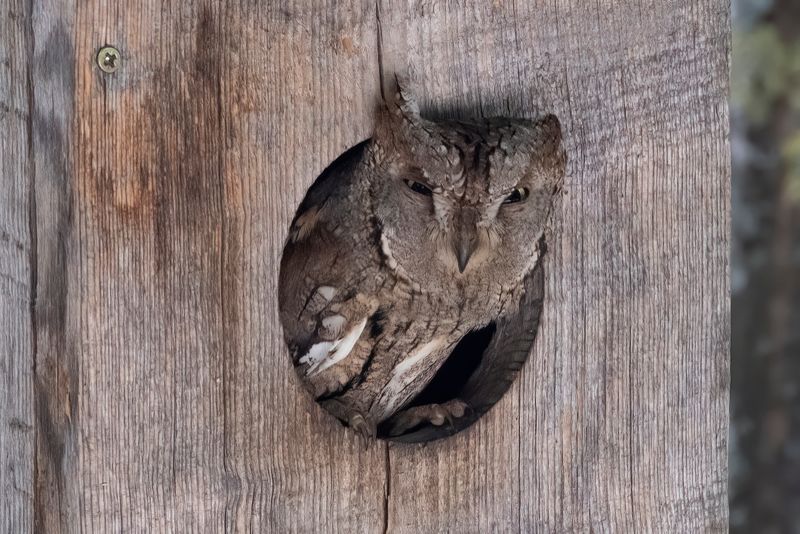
(464,246)
(465,238)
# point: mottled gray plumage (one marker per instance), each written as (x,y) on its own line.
(408,242)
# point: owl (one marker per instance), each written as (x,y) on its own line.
(406,246)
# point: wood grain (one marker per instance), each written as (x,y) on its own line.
(16,323)
(183,171)
(58,260)
(149,208)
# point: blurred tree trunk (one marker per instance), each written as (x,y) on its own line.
(766,421)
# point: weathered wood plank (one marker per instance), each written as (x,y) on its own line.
(16,328)
(147,210)
(619,423)
(58,256)
(165,190)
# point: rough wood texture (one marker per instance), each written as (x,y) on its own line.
(16,328)
(162,194)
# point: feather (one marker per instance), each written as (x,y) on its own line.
(327,353)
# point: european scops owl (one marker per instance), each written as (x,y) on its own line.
(407,243)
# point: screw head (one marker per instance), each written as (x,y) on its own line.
(109,59)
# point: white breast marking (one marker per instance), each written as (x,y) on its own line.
(402,375)
(327,353)
(407,364)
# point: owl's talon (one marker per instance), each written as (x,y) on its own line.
(365,426)
(457,408)
(438,416)
(332,380)
(435,414)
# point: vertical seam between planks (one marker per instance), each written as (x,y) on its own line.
(222,260)
(33,256)
(379,44)
(520,392)
(387,458)
(388,488)
(33,252)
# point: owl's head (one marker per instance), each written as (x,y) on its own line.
(462,200)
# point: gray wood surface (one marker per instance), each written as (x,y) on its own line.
(157,200)
(16,328)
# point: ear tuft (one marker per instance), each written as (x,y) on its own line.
(402,97)
(397,124)
(548,129)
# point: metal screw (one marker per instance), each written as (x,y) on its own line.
(108,59)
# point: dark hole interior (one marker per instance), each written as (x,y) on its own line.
(456,370)
(449,381)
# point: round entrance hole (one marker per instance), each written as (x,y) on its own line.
(411,282)
(337,297)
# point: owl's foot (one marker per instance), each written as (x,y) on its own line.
(364,425)
(435,414)
(333,379)
(330,381)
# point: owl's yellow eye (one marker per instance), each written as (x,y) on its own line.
(518,195)
(419,188)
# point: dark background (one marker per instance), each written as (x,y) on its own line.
(765,274)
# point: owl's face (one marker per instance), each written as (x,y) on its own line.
(458,202)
